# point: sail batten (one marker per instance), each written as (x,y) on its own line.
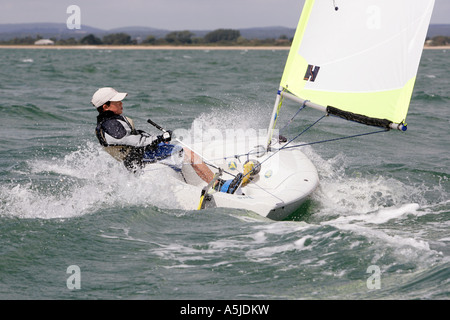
(361,59)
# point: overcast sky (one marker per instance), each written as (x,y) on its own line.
(172,14)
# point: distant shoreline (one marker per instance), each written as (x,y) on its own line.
(141,47)
(437,47)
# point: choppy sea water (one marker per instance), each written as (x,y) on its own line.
(74,224)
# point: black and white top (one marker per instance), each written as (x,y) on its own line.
(122,141)
(117,130)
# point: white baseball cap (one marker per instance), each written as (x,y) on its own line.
(103,95)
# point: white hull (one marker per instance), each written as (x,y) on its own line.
(286,179)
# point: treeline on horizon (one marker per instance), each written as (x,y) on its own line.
(439,41)
(216,37)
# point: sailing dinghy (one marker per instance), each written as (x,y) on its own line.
(353,59)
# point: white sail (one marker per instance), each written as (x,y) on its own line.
(360,57)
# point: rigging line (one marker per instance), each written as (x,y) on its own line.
(306,144)
(237,156)
(311,143)
(278,150)
(312,125)
(220,169)
(303,106)
(336,139)
(284,147)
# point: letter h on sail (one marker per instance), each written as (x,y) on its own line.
(311,73)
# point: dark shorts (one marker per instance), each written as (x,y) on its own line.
(162,151)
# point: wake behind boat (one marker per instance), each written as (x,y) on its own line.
(351,59)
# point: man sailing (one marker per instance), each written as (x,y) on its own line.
(117,134)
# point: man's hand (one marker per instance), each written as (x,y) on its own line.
(167,136)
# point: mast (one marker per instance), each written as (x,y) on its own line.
(273,118)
